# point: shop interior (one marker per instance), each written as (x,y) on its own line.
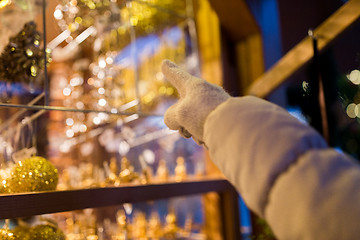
(85,152)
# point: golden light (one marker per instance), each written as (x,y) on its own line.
(354,77)
(4,3)
(351,110)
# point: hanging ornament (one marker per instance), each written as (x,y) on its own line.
(46,232)
(33,174)
(23,59)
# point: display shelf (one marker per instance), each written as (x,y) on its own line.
(36,203)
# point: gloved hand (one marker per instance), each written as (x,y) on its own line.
(197,99)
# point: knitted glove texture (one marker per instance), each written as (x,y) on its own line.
(197,99)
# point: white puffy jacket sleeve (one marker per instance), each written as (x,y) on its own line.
(285,171)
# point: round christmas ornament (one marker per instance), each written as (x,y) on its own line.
(4,180)
(6,234)
(21,232)
(33,174)
(46,232)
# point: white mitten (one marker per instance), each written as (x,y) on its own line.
(197,99)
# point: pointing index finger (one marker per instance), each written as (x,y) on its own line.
(176,76)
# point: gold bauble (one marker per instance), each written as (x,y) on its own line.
(33,174)
(46,232)
(4,180)
(21,233)
(6,234)
(4,186)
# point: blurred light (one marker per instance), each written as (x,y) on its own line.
(80,105)
(90,81)
(133,21)
(162,90)
(67,91)
(76,128)
(78,20)
(83,128)
(73,26)
(357,110)
(149,156)
(69,39)
(29,52)
(4,3)
(70,133)
(96,120)
(102,63)
(148,98)
(170,91)
(129,105)
(128,208)
(103,116)
(350,110)
(95,69)
(80,116)
(33,71)
(114,110)
(58,14)
(101,74)
(159,76)
(65,147)
(102,102)
(305,86)
(76,81)
(97,83)
(101,90)
(69,121)
(109,60)
(59,39)
(124,148)
(131,118)
(354,77)
(97,44)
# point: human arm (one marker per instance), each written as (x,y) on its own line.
(283,169)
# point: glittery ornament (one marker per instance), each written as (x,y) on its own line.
(4,186)
(22,59)
(4,180)
(33,174)
(6,234)
(22,232)
(46,232)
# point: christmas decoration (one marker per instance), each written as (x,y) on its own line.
(5,232)
(46,232)
(4,178)
(33,174)
(22,232)
(23,58)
